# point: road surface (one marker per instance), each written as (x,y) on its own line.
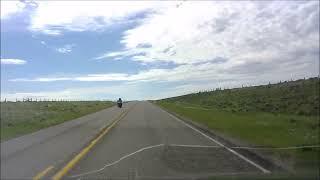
(26,156)
(147,143)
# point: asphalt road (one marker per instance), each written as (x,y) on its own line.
(147,143)
(24,157)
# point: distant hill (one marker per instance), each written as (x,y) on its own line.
(299,97)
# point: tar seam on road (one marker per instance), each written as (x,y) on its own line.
(84,151)
(217,142)
(285,148)
(115,162)
(42,173)
(174,145)
(138,151)
(247,147)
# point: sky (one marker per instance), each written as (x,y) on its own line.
(138,50)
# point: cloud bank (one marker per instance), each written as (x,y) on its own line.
(210,42)
(13,61)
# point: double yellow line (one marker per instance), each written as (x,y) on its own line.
(83,152)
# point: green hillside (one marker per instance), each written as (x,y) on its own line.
(295,97)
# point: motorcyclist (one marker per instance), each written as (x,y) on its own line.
(119,102)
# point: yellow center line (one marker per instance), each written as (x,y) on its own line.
(84,151)
(42,173)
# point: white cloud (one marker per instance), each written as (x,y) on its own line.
(84,78)
(65,49)
(13,61)
(239,31)
(203,72)
(41,79)
(80,93)
(213,43)
(10,7)
(83,15)
(137,86)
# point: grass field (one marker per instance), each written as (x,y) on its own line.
(299,97)
(250,115)
(19,118)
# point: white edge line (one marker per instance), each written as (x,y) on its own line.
(217,142)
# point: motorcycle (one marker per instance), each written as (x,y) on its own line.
(119,104)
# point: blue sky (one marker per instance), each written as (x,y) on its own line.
(150,50)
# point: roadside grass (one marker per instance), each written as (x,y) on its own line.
(274,115)
(299,97)
(20,118)
(261,129)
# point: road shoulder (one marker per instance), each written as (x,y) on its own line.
(259,158)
